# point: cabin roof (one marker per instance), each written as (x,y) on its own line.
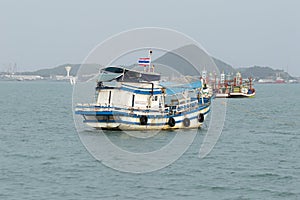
(123,74)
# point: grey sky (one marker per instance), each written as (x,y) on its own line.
(39,34)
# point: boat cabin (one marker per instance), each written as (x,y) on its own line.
(131,95)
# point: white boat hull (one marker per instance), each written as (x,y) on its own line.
(235,95)
(220,95)
(155,121)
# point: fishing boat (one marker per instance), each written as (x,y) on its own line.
(265,81)
(128,99)
(236,88)
(279,80)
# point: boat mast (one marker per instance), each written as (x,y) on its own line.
(149,56)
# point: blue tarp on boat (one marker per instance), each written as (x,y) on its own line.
(175,88)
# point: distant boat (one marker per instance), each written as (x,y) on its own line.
(236,88)
(266,81)
(293,81)
(280,80)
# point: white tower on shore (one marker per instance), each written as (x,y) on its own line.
(68,69)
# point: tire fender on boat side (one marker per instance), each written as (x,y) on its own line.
(143,120)
(201,117)
(186,122)
(171,122)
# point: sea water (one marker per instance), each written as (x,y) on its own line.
(42,157)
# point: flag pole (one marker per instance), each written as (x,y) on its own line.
(150,54)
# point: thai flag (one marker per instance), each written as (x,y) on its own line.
(144,61)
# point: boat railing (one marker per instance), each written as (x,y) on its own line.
(183,107)
(112,107)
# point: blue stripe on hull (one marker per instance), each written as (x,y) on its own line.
(137,123)
(112,113)
(112,107)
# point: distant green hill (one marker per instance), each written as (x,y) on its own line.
(186,60)
(60,70)
(256,72)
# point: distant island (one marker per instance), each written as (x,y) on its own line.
(256,72)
